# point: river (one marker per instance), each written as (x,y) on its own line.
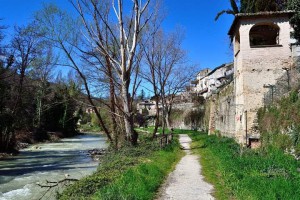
(39,163)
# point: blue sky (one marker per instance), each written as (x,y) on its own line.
(206,41)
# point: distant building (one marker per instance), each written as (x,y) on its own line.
(90,109)
(209,81)
(148,107)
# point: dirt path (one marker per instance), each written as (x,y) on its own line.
(186,181)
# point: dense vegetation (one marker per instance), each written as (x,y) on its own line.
(32,101)
(130,173)
(239,173)
(279,124)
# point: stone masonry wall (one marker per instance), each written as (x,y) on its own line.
(256,68)
(222,112)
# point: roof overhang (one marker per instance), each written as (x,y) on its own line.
(240,16)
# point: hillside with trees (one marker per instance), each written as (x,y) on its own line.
(33,101)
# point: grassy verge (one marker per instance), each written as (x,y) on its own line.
(150,129)
(89,128)
(240,173)
(131,173)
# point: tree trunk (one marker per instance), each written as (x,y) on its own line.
(39,111)
(19,99)
(168,114)
(156,117)
(168,120)
(131,134)
(163,118)
(112,103)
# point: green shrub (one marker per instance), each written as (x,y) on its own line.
(279,123)
(282,141)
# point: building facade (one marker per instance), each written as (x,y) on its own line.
(262,53)
(209,82)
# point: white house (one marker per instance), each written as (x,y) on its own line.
(148,106)
(209,81)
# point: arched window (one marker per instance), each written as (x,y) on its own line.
(264,34)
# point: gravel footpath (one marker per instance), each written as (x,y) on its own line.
(186,181)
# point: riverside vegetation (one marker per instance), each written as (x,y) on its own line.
(129,173)
(235,172)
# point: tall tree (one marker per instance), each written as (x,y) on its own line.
(109,44)
(26,46)
(41,75)
(65,34)
(125,34)
(167,70)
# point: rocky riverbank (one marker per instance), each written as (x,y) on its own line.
(96,154)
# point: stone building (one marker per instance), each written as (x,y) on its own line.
(262,52)
(148,106)
(209,82)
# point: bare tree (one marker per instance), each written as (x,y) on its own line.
(41,74)
(122,36)
(64,33)
(168,69)
(26,46)
(107,44)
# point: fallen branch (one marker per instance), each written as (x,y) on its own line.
(56,183)
(53,184)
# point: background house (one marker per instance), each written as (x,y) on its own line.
(147,107)
(209,81)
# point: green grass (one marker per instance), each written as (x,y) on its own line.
(130,173)
(89,128)
(238,173)
(159,130)
(150,129)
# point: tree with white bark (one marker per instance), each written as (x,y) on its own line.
(105,39)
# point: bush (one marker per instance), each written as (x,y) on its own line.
(279,123)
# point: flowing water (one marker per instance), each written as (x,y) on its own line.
(40,163)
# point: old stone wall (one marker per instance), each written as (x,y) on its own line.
(258,70)
(183,106)
(222,112)
(180,111)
